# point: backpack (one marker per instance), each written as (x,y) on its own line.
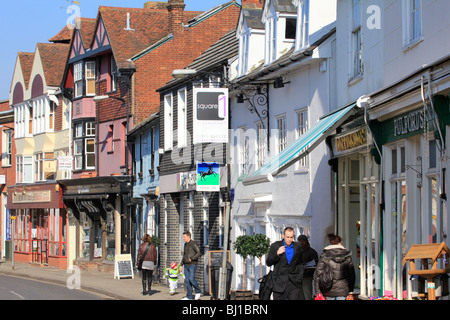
(326,278)
(266,286)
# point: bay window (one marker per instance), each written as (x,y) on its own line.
(84,146)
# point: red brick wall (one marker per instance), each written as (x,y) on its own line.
(154,69)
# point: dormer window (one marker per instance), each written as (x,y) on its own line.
(290,30)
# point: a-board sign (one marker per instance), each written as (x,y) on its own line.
(123,266)
(215,260)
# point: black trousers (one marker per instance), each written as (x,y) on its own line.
(291,292)
(147,278)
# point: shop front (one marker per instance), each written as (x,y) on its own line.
(39,223)
(99,219)
(357,190)
(410,122)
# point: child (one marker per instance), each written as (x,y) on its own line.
(172,275)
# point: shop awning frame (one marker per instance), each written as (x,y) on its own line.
(302,146)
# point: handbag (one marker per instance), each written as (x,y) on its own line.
(139,267)
(266,286)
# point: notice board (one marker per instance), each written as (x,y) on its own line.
(123,266)
(215,260)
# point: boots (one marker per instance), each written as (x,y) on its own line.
(144,288)
(149,292)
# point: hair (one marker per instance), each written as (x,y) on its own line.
(187,233)
(334,238)
(287,229)
(147,238)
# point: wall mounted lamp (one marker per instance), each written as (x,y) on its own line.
(279,83)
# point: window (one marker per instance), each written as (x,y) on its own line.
(182,118)
(244,143)
(302,127)
(78,79)
(110,138)
(303,25)
(282,134)
(113,74)
(153,147)
(30,120)
(412,21)
(261,136)
(244,52)
(90,78)
(356,41)
(51,116)
(271,38)
(67,105)
(7,147)
(84,145)
(291,26)
(168,122)
(45,166)
(24,169)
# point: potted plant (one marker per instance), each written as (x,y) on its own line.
(243,247)
(261,246)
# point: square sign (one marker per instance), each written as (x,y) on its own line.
(210,123)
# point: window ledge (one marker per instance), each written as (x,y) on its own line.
(408,46)
(355,79)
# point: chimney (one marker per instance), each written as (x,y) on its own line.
(176,10)
(252,4)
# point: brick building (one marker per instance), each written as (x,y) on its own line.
(115,66)
(7,174)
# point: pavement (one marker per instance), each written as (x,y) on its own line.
(94,281)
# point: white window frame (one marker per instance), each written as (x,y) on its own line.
(7,148)
(302,126)
(90,76)
(412,22)
(271,38)
(282,132)
(302,36)
(168,122)
(356,65)
(88,154)
(78,80)
(113,74)
(182,118)
(244,52)
(261,144)
(27,169)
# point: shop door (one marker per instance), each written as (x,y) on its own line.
(348,216)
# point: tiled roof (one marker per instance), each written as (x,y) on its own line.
(54,58)
(26,62)
(253,18)
(147,27)
(226,48)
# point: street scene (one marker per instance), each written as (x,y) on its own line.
(246,151)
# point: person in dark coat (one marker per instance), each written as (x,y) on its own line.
(148,263)
(340,260)
(286,257)
(310,260)
(191,254)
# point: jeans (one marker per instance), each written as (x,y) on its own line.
(335,298)
(189,279)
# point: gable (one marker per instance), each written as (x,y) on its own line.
(101,38)
(78,48)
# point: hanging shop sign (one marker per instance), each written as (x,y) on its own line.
(210,115)
(208,176)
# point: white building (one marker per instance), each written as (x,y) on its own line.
(276,97)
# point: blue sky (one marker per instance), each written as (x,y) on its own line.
(24,23)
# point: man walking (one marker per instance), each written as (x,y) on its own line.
(310,260)
(286,257)
(190,259)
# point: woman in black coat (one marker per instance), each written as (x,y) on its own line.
(340,260)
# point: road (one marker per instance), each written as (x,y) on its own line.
(13,288)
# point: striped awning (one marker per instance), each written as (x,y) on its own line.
(302,146)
